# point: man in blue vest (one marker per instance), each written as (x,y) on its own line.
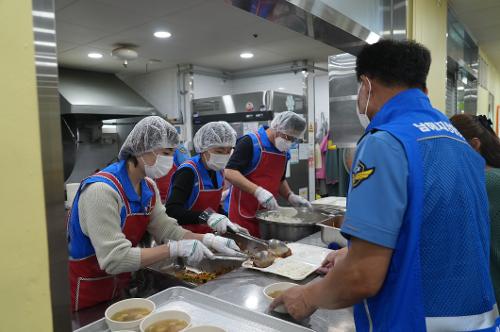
(417,212)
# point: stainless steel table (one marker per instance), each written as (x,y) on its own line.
(243,287)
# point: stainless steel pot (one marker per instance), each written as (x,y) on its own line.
(300,225)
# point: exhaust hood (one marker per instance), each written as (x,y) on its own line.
(99,95)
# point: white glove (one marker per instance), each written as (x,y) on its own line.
(297,201)
(193,250)
(221,244)
(266,199)
(220,223)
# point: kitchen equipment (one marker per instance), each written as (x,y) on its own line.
(273,224)
(207,310)
(238,258)
(305,259)
(277,247)
(263,259)
(330,231)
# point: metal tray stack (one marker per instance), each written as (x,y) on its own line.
(205,309)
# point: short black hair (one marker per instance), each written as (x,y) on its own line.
(395,63)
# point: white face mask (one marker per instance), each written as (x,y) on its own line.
(218,161)
(282,144)
(160,168)
(363,118)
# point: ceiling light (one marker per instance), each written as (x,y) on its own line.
(281,88)
(246,55)
(162,34)
(95,55)
(372,38)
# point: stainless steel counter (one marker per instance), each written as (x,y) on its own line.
(243,287)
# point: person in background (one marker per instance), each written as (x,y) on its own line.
(198,183)
(478,132)
(417,212)
(115,207)
(163,183)
(257,169)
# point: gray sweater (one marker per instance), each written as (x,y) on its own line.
(99,209)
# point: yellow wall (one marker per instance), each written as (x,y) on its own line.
(24,280)
(493,87)
(427,25)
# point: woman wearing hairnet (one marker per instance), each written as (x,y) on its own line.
(115,207)
(257,170)
(198,183)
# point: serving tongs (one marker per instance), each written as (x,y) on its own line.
(276,247)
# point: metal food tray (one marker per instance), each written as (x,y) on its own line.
(205,309)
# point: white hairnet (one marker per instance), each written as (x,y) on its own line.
(214,134)
(149,134)
(289,123)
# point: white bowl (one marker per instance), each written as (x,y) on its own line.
(127,304)
(279,286)
(205,328)
(163,315)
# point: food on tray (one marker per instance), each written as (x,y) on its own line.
(197,278)
(275,294)
(278,216)
(167,325)
(130,314)
(280,254)
(200,277)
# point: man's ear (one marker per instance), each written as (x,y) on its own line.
(475,143)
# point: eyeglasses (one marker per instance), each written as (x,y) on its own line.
(289,138)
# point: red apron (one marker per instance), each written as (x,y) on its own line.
(267,174)
(163,184)
(89,284)
(207,198)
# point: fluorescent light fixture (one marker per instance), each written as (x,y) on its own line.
(44,14)
(460,88)
(246,55)
(281,88)
(41,30)
(42,43)
(162,34)
(47,57)
(372,38)
(95,55)
(45,64)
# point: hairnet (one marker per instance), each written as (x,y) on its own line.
(214,134)
(149,134)
(289,123)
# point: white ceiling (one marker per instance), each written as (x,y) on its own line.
(204,33)
(482,19)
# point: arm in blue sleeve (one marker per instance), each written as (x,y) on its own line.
(377,198)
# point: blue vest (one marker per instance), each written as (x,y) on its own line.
(79,244)
(199,172)
(438,279)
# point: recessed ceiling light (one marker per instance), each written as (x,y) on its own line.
(246,55)
(281,88)
(162,34)
(95,55)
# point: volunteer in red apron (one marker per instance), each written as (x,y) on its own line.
(163,183)
(257,170)
(115,207)
(198,183)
